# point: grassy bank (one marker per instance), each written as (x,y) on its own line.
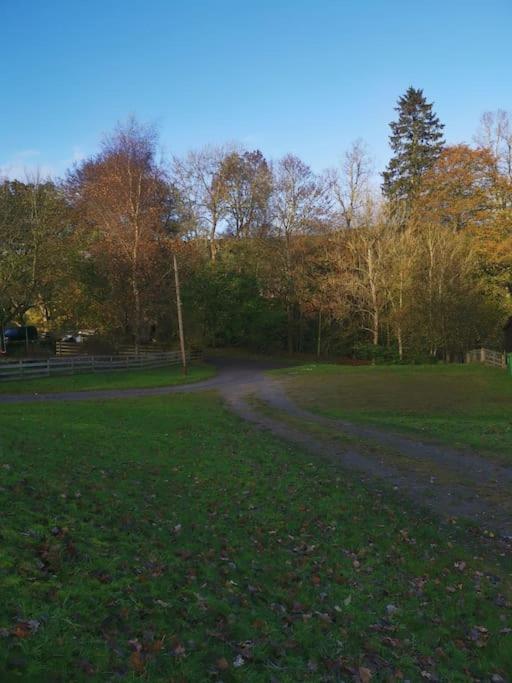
(163,538)
(117,379)
(463,405)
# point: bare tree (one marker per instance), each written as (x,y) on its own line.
(198,180)
(299,206)
(495,134)
(367,276)
(300,200)
(351,186)
(400,253)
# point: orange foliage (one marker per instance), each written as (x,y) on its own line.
(459,191)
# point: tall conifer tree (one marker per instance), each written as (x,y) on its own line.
(416,140)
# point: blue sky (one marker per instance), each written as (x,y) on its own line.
(288,75)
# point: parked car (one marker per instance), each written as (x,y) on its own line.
(15,337)
(79,337)
(21,333)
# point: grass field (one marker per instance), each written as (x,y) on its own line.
(117,379)
(463,405)
(163,539)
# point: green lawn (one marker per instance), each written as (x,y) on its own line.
(117,379)
(163,538)
(463,405)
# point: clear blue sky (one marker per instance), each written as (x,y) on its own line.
(281,75)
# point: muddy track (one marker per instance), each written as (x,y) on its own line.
(452,483)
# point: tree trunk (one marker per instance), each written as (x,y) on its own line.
(400,308)
(376,328)
(289,286)
(289,315)
(136,308)
(400,342)
(374,296)
(212,249)
(319,335)
(211,242)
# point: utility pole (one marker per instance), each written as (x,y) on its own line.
(180,317)
(319,335)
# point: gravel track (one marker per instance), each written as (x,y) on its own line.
(452,483)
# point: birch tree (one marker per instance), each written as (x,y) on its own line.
(299,206)
(198,178)
(123,196)
(350,186)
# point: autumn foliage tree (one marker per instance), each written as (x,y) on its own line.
(273,255)
(36,250)
(457,191)
(123,198)
(245,181)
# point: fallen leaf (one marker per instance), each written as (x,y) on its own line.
(222,664)
(365,675)
(21,630)
(137,661)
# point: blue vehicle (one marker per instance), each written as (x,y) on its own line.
(15,337)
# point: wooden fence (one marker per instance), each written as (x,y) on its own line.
(131,349)
(63,348)
(68,349)
(34,368)
(495,359)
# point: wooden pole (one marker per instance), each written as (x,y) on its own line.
(180,317)
(319,335)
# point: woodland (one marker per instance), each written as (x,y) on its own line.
(410,264)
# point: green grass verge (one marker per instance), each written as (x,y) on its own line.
(463,405)
(117,379)
(163,538)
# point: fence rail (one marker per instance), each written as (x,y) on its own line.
(68,349)
(72,365)
(65,348)
(495,359)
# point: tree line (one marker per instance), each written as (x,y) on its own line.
(273,256)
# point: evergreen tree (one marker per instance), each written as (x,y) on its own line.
(416,140)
